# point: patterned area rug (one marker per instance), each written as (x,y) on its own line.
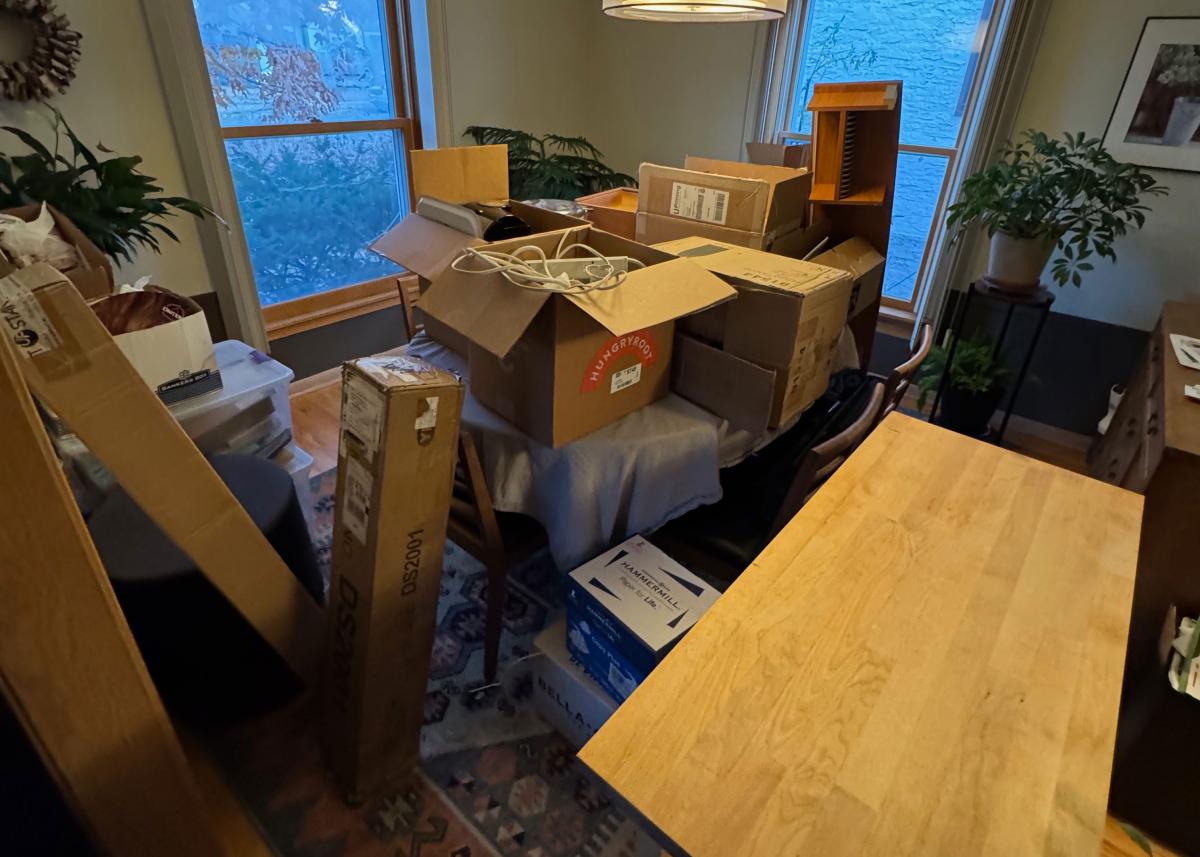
(494,778)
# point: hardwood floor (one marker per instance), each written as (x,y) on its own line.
(315,419)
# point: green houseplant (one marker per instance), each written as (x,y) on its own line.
(1044,195)
(551,167)
(115,205)
(974,388)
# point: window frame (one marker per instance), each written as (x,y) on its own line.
(780,92)
(175,34)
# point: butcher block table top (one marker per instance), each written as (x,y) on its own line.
(926,660)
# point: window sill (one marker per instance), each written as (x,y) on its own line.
(303,314)
(896,322)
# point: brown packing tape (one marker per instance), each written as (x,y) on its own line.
(90,384)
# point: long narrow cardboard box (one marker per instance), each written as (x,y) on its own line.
(76,369)
(399,438)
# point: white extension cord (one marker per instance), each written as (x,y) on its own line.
(563,273)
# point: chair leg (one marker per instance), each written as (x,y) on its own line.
(497,571)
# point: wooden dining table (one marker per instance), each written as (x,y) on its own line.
(926,661)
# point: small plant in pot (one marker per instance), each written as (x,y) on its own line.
(1046,195)
(974,389)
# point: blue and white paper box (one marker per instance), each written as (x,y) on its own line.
(626,609)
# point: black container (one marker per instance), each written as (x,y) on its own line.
(968,412)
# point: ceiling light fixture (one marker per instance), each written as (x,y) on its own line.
(688,11)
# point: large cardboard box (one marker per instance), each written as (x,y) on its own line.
(627,608)
(94,277)
(74,368)
(560,366)
(463,174)
(788,317)
(751,205)
(564,694)
(864,263)
(399,437)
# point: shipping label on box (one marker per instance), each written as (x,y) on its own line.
(396,461)
(564,694)
(636,602)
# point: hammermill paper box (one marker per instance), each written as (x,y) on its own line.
(399,433)
(626,609)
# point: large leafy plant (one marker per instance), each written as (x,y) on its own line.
(977,369)
(1069,192)
(551,167)
(115,205)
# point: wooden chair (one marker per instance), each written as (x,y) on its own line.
(897,383)
(410,291)
(823,460)
(473,526)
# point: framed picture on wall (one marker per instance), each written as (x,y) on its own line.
(1156,120)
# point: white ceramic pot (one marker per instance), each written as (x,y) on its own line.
(1015,264)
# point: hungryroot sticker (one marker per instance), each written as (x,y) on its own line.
(25,321)
(641,344)
(362,413)
(699,203)
(626,377)
(356,508)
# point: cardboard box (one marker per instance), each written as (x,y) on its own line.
(795,155)
(560,366)
(754,204)
(457,175)
(166,338)
(627,608)
(864,263)
(732,388)
(94,277)
(564,694)
(613,211)
(788,317)
(399,438)
(73,366)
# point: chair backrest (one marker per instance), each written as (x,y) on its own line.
(825,458)
(410,291)
(472,524)
(901,378)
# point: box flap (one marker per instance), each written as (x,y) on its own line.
(855,255)
(422,246)
(732,388)
(493,313)
(761,172)
(779,154)
(654,295)
(461,174)
(754,267)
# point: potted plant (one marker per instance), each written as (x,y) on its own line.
(973,390)
(551,167)
(111,202)
(1046,194)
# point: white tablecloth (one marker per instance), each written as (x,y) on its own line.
(629,477)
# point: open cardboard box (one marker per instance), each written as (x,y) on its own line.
(787,319)
(560,366)
(864,263)
(751,205)
(93,277)
(459,175)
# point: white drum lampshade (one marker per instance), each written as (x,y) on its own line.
(696,10)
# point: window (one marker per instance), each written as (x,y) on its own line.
(934,49)
(313,99)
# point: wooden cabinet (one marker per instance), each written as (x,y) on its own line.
(1153,447)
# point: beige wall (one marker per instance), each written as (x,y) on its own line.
(665,91)
(117,98)
(1077,74)
(639,91)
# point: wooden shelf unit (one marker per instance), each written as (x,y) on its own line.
(856,139)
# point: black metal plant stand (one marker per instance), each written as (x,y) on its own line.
(1040,300)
